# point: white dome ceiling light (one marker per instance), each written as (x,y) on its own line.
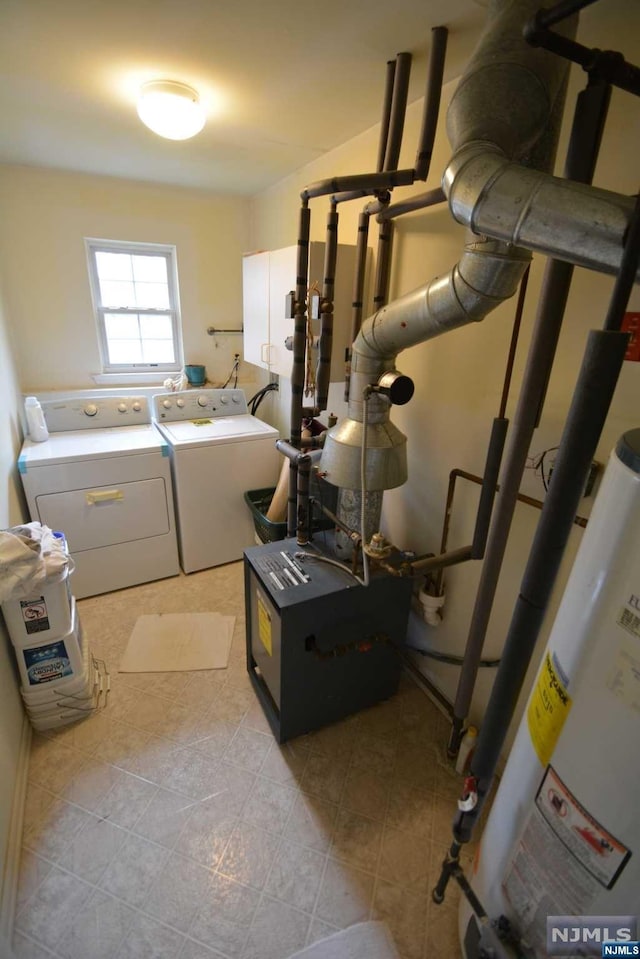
(171,109)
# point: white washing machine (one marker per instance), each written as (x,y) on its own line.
(218,452)
(104,478)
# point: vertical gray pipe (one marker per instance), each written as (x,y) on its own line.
(398,110)
(432,101)
(489,483)
(386,114)
(323,373)
(302,520)
(361,266)
(299,354)
(581,159)
(357,302)
(498,437)
(383,260)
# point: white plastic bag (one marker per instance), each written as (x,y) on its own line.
(29,555)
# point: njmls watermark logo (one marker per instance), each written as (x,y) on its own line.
(593,936)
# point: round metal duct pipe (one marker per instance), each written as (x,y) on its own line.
(386,465)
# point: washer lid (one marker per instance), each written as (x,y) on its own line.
(222,429)
(79,445)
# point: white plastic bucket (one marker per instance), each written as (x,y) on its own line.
(58,660)
(80,684)
(44,615)
(57,718)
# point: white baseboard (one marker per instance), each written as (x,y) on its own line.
(12,862)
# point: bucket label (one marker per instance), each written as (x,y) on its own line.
(47,663)
(34,614)
(548,710)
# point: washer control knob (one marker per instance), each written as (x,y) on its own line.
(122,407)
(136,407)
(166,404)
(235,398)
(203,400)
(224,399)
(180,403)
(90,409)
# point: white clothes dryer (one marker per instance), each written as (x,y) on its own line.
(218,452)
(104,478)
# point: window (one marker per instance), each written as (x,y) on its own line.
(135,297)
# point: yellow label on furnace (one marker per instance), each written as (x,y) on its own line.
(264,625)
(548,709)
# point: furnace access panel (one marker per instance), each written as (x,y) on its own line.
(319,645)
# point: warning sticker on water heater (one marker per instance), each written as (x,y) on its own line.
(588,841)
(561,861)
(264,625)
(548,709)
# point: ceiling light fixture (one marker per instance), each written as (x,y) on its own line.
(171,109)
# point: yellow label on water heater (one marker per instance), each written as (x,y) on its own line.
(547,712)
(264,625)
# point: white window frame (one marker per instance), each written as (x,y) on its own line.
(168,252)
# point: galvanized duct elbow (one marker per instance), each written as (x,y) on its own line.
(488,271)
(502,112)
(503,123)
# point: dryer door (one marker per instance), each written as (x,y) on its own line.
(105,515)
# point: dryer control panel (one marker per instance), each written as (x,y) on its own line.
(95,412)
(197,404)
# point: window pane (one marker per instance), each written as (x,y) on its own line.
(121,327)
(157,351)
(114,266)
(156,327)
(125,351)
(117,294)
(149,269)
(150,295)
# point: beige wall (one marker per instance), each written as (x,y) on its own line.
(46,216)
(459,376)
(12,511)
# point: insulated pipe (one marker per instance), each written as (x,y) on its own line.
(419,202)
(323,373)
(582,154)
(361,265)
(303,532)
(488,493)
(383,264)
(367,182)
(375,207)
(559,11)
(432,101)
(398,110)
(302,463)
(353,195)
(386,114)
(513,345)
(429,563)
(299,352)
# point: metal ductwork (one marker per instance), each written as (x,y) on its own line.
(503,124)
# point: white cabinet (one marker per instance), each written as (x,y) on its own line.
(255,291)
(267,279)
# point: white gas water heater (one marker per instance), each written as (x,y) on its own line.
(563,836)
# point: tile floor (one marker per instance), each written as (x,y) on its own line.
(172,826)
